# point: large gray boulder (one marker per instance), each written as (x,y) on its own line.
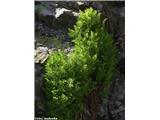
(54,15)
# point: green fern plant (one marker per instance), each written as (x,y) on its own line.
(70,78)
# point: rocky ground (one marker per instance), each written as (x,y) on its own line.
(52,20)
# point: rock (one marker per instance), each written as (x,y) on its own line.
(41,54)
(121,66)
(65,18)
(103,113)
(116,4)
(80,3)
(119,11)
(71,5)
(116,100)
(118,103)
(54,15)
(45,12)
(60,11)
(83,5)
(97,5)
(113,106)
(39,91)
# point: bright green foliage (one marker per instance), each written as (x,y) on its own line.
(70,78)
